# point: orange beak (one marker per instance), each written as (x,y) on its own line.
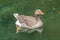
(41,12)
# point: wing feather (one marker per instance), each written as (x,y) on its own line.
(28,20)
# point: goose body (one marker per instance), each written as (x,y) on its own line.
(29,22)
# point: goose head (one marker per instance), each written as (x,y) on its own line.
(38,12)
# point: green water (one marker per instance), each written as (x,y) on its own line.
(51,19)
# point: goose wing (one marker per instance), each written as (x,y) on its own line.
(28,20)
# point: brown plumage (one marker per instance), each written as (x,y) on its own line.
(28,20)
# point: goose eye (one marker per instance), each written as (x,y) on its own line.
(38,15)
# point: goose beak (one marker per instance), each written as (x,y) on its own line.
(41,13)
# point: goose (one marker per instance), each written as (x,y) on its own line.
(29,23)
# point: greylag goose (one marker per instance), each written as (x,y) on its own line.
(30,23)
